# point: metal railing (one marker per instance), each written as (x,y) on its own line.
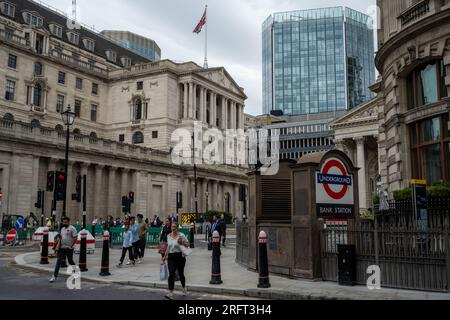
(415,12)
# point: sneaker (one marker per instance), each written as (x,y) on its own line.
(169,296)
(53,279)
(184,292)
(120,265)
(129,263)
(140,261)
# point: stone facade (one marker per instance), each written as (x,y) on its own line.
(412,34)
(122,136)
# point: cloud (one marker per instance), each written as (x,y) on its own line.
(234,30)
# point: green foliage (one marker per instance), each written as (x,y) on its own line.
(209,215)
(376,199)
(404,194)
(439,190)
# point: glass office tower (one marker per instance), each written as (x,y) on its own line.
(319,60)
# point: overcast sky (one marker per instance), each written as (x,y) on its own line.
(234,30)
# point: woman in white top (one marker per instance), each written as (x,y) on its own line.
(175,258)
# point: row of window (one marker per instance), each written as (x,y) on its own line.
(306,143)
(37,99)
(38,71)
(313,128)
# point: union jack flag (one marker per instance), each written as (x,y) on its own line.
(200,25)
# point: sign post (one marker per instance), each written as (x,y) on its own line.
(420,201)
(334,191)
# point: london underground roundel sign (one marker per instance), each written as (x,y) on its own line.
(334,190)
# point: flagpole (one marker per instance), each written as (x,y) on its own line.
(206,39)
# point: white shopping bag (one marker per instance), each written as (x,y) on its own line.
(163,272)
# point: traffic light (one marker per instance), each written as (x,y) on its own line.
(50,181)
(59,186)
(1,195)
(131,197)
(40,200)
(126,205)
(179,200)
(78,188)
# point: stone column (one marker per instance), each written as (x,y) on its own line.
(194,102)
(186,101)
(186,196)
(212,109)
(237,207)
(99,189)
(84,172)
(233,115)
(124,183)
(213,195)
(135,207)
(112,194)
(203,195)
(202,113)
(191,100)
(362,176)
(224,113)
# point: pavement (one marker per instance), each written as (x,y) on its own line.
(237,280)
(28,284)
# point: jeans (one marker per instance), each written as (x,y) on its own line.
(136,249)
(130,254)
(142,244)
(176,262)
(62,254)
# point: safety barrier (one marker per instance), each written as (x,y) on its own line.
(153,235)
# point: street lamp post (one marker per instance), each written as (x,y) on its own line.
(68,118)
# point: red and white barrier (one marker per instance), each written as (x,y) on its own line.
(90,243)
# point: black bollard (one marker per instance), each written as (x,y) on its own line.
(216,277)
(83,251)
(42,220)
(105,256)
(93,230)
(263,262)
(191,242)
(44,251)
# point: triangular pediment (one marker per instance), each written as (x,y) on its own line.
(367,112)
(221,77)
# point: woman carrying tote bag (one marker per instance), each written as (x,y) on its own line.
(176,245)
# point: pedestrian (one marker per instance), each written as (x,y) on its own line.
(223,229)
(69,237)
(175,258)
(134,228)
(143,228)
(127,246)
(167,229)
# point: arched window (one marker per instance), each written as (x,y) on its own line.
(138,109)
(76,131)
(59,128)
(138,138)
(35,123)
(93,136)
(8,117)
(37,95)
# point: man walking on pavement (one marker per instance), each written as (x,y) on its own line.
(69,237)
(223,229)
(134,228)
(142,237)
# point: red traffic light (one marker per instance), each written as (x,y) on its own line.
(61,177)
(1,195)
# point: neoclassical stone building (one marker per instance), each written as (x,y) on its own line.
(406,126)
(127,109)
(414,61)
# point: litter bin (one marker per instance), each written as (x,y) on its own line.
(347,265)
